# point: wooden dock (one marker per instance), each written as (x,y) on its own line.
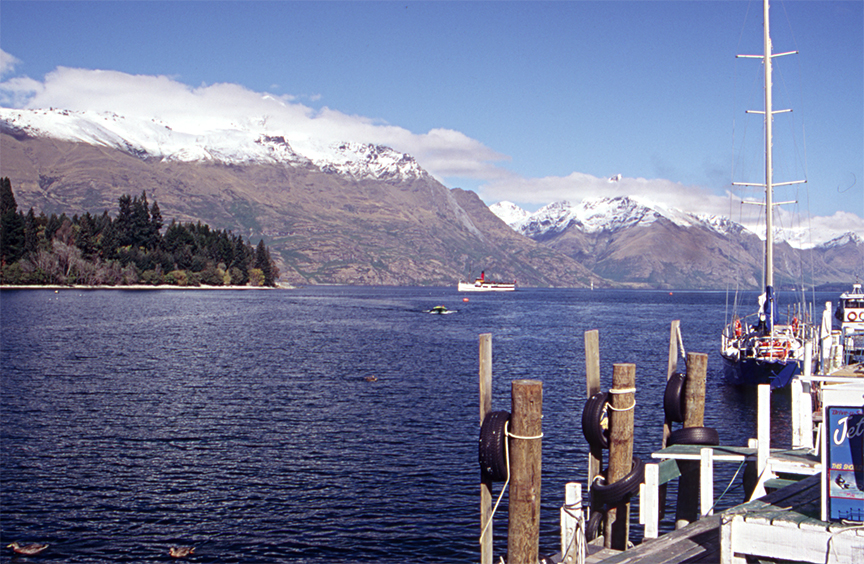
(786,525)
(781,526)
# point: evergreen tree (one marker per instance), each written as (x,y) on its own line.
(124,221)
(265,264)
(85,239)
(155,241)
(11,225)
(31,234)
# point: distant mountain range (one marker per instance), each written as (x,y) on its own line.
(344,213)
(624,240)
(352,213)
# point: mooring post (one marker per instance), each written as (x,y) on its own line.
(622,404)
(572,536)
(687,507)
(526,430)
(671,368)
(485,481)
(592,379)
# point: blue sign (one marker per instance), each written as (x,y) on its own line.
(846,463)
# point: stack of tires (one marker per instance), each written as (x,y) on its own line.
(673,406)
(596,430)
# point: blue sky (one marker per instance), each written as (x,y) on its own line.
(539,101)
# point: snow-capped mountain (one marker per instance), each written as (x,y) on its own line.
(842,240)
(631,240)
(596,215)
(509,213)
(613,214)
(249,143)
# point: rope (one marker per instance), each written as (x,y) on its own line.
(832,548)
(507,433)
(511,435)
(578,535)
(732,481)
(622,391)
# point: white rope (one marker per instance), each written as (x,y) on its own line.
(578,535)
(632,405)
(540,436)
(622,391)
(507,433)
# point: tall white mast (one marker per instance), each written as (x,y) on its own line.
(768,273)
(769,158)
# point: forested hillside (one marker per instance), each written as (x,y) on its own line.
(131,248)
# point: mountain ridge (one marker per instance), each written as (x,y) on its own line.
(360,213)
(626,240)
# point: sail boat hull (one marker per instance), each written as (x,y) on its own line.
(752,372)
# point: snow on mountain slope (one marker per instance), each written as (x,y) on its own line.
(845,239)
(590,216)
(604,214)
(509,213)
(228,143)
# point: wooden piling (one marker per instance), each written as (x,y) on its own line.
(671,368)
(687,508)
(523,531)
(592,379)
(485,482)
(622,401)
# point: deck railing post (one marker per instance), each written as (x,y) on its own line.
(572,536)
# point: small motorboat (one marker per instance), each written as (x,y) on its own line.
(441,310)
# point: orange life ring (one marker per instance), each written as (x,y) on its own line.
(794,324)
(737,327)
(852,316)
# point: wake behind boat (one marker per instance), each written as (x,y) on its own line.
(483,285)
(758,349)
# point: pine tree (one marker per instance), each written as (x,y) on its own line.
(11,225)
(156,223)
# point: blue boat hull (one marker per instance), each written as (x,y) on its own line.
(752,372)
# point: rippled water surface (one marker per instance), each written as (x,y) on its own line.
(242,422)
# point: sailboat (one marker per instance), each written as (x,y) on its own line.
(758,349)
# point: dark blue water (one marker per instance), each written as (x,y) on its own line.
(241,422)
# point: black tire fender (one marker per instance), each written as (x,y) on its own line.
(694,436)
(613,494)
(592,528)
(492,455)
(673,398)
(592,421)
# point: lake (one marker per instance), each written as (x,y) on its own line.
(242,422)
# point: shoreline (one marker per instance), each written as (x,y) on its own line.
(57,287)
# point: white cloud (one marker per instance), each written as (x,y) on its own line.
(443,152)
(7,63)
